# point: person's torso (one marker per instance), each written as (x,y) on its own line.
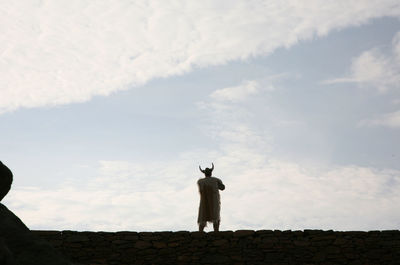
(209,183)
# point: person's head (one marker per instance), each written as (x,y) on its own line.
(208,171)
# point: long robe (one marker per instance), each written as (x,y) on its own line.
(210,203)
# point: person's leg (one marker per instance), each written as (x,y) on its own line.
(201,227)
(216,226)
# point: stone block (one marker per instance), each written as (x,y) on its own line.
(243,233)
(264,232)
(215,259)
(332,250)
(173,244)
(76,238)
(142,244)
(220,242)
(198,235)
(159,244)
(339,241)
(319,256)
(301,243)
(313,232)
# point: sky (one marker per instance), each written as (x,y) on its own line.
(107,108)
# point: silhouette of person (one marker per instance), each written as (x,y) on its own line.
(6,178)
(210,203)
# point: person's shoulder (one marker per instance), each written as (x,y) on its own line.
(215,178)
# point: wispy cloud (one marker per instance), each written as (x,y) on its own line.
(375,69)
(391,120)
(236,93)
(70,51)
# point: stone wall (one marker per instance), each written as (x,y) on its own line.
(227,247)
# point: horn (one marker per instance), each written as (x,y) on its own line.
(201,169)
(212,166)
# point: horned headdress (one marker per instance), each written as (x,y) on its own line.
(207,171)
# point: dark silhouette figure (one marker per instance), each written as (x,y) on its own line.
(210,203)
(6,178)
(18,246)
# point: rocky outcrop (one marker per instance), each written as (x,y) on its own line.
(6,257)
(18,245)
(6,178)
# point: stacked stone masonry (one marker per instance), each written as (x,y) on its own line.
(227,247)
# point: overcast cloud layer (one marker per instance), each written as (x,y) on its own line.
(261,192)
(58,52)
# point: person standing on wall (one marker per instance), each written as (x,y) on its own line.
(210,203)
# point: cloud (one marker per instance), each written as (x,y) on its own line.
(262,192)
(391,120)
(124,196)
(70,51)
(267,194)
(229,118)
(396,46)
(373,68)
(236,93)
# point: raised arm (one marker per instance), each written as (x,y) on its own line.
(221,185)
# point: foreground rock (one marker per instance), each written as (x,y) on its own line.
(6,178)
(19,246)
